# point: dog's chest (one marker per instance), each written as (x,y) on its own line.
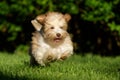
(56,51)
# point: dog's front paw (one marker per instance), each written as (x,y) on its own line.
(49,58)
(65,55)
(63,58)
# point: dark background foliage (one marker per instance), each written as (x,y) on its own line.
(94,27)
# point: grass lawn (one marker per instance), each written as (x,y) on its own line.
(16,67)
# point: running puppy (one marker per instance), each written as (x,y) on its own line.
(51,41)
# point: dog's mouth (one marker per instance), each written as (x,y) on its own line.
(57,39)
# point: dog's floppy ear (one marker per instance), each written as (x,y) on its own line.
(36,25)
(67,17)
(41,18)
(38,22)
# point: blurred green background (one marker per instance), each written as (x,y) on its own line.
(94,27)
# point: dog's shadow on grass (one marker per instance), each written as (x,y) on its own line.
(4,76)
(10,77)
(26,63)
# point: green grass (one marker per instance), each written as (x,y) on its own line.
(16,67)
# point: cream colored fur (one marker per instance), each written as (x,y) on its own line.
(51,41)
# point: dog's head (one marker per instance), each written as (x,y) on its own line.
(53,25)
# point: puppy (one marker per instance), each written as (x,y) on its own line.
(50,41)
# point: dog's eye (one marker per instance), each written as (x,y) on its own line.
(61,27)
(52,28)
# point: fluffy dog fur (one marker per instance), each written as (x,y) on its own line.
(51,41)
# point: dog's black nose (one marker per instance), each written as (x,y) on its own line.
(58,34)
